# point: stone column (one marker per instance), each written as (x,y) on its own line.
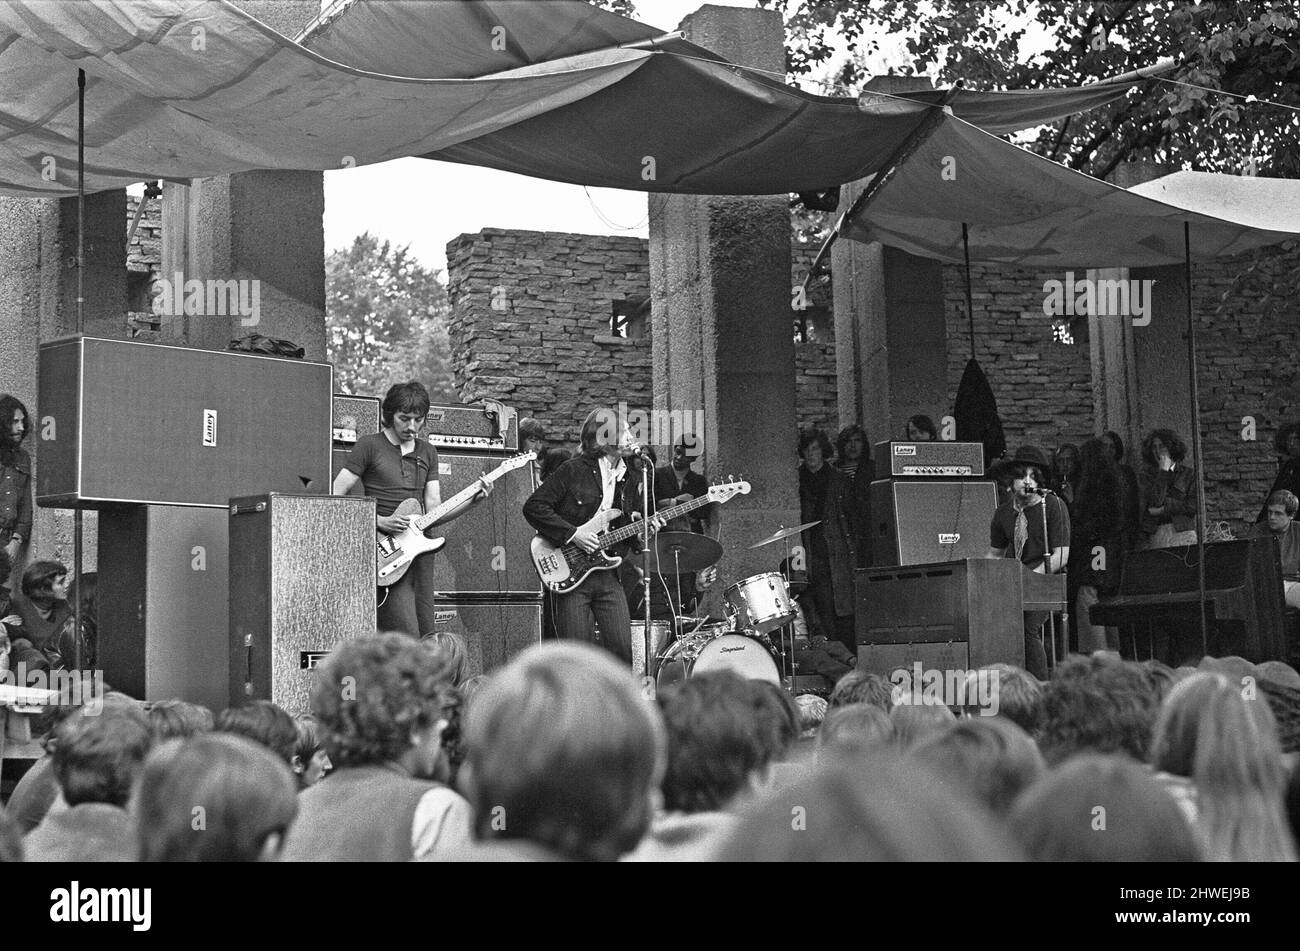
(890,333)
(264,227)
(38,301)
(722,325)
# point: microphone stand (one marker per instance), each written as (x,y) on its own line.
(646,633)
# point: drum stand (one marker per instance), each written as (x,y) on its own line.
(787,680)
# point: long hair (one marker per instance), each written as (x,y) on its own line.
(1099,502)
(8,444)
(842,441)
(600,433)
(1227,745)
(1177,448)
(1279,440)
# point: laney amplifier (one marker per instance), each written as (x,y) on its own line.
(933,460)
(354,417)
(923,521)
(487,425)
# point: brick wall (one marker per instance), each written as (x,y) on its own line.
(530,326)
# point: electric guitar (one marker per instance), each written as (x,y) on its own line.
(396,552)
(563,568)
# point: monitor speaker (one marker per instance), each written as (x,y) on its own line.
(922,522)
(302,580)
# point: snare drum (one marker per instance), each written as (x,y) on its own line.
(702,653)
(761,603)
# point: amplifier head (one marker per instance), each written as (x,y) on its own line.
(487,425)
(935,460)
(354,417)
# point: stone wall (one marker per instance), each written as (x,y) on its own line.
(530,326)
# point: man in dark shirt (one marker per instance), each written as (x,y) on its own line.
(1280,511)
(1017,532)
(392,466)
(15,479)
(674,484)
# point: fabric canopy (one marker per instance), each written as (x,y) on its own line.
(1024,209)
(182,89)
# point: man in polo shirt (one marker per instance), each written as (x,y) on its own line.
(392,466)
(1280,511)
(1017,532)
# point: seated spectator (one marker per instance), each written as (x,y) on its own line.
(1097,705)
(44,611)
(862,686)
(718,751)
(565,757)
(1019,696)
(213,798)
(1281,510)
(11,840)
(849,811)
(262,722)
(1226,745)
(96,761)
(989,757)
(176,719)
(858,725)
(456,649)
(1102,809)
(913,722)
(310,762)
(380,703)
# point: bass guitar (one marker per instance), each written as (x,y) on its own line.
(563,567)
(396,552)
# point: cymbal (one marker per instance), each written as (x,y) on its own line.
(684,552)
(784,533)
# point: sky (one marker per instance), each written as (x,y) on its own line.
(425,204)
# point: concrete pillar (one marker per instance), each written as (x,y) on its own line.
(264,227)
(722,325)
(890,332)
(38,301)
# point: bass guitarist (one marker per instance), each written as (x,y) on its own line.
(392,466)
(603,477)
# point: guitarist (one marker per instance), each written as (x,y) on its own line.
(603,476)
(392,466)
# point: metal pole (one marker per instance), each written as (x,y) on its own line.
(1196,435)
(647,637)
(78,527)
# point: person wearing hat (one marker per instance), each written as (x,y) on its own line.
(1017,531)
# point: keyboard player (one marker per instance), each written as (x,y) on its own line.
(1032,525)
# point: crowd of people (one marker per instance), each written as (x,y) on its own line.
(562,756)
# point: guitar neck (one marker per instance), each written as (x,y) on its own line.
(468,493)
(628,531)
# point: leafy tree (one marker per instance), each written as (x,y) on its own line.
(387,320)
(1249,48)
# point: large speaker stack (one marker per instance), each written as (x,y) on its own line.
(488,590)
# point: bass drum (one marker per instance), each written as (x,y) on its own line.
(703,653)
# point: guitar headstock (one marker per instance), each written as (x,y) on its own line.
(724,491)
(517,462)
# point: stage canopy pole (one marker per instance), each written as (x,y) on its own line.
(78,527)
(1201,523)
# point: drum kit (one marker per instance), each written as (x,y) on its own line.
(757,608)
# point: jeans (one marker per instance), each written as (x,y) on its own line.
(411,602)
(600,601)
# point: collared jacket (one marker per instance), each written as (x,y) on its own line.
(16,497)
(572,495)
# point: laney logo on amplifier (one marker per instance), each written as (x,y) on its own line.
(949,538)
(209,427)
(905,450)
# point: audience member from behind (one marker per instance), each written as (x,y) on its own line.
(862,686)
(245,796)
(262,722)
(1060,818)
(850,811)
(11,839)
(1019,696)
(989,757)
(913,722)
(36,792)
(381,706)
(310,762)
(456,649)
(855,726)
(96,762)
(176,719)
(812,711)
(565,755)
(1227,746)
(1097,705)
(718,750)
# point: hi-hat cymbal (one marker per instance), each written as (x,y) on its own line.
(784,533)
(684,552)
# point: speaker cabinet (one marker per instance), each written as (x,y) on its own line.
(487,550)
(162,602)
(917,523)
(495,630)
(354,417)
(302,580)
(122,421)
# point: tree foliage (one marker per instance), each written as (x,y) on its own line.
(1249,48)
(387,320)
